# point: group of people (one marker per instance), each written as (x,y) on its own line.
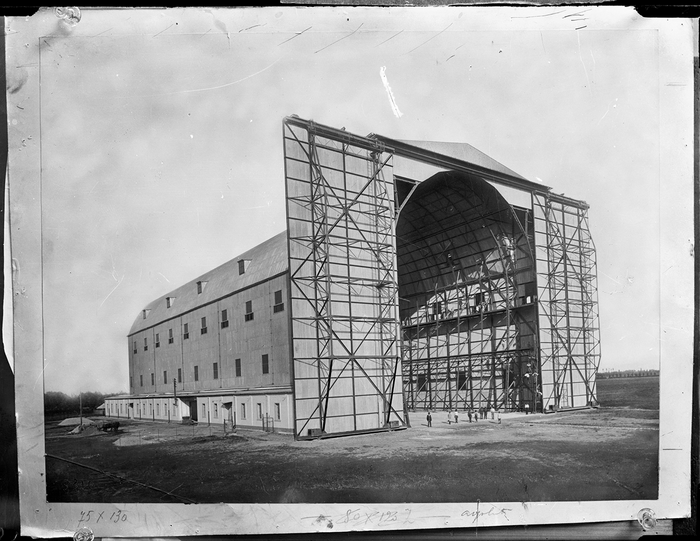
(475,414)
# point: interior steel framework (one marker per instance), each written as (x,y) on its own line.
(430,293)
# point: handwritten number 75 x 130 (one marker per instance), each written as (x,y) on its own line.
(92,516)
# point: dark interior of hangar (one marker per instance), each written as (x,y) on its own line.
(467,294)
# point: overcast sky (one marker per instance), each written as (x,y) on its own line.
(162,157)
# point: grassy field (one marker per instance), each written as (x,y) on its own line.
(639,392)
(603,454)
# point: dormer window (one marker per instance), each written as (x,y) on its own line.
(200,286)
(169,301)
(144,313)
(243,265)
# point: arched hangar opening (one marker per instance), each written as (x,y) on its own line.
(467,297)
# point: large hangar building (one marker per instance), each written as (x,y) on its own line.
(412,276)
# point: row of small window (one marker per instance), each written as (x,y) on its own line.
(244,413)
(215,371)
(249,316)
(121,408)
(258,409)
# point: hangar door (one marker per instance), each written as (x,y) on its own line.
(343,281)
(567,301)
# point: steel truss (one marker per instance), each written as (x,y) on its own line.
(509,320)
(343,285)
(567,302)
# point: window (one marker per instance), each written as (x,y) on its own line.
(461,380)
(157,340)
(241,266)
(243,411)
(259,410)
(165,377)
(216,370)
(248,310)
(186,331)
(279,305)
(169,301)
(278,411)
(238,368)
(200,286)
(145,344)
(158,409)
(482,301)
(216,411)
(204,325)
(265,364)
(141,379)
(170,336)
(179,375)
(131,381)
(153,379)
(204,411)
(135,348)
(224,319)
(196,373)
(145,313)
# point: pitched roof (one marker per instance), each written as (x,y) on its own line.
(266,260)
(464,152)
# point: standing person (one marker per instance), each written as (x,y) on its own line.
(499,417)
(469,414)
(449,417)
(527,409)
(430,419)
(493,413)
(456,416)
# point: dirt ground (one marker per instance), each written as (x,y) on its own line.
(602,454)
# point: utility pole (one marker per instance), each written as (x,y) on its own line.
(81,407)
(174,394)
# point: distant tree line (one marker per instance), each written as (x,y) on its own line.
(628,373)
(59,402)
